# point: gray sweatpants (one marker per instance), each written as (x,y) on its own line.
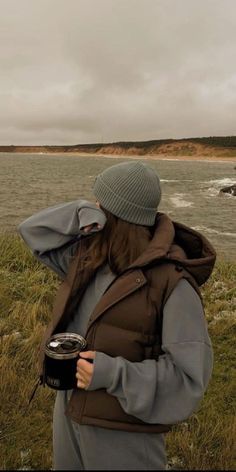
(80,447)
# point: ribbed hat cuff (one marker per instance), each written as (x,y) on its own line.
(122,208)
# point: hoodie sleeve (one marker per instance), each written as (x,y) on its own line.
(169,390)
(53,234)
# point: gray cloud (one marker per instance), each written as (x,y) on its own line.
(90,70)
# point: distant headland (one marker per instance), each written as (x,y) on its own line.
(213,147)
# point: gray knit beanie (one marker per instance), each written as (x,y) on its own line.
(131,191)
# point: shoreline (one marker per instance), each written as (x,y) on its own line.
(156,157)
(163,157)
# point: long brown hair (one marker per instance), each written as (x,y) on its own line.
(118,244)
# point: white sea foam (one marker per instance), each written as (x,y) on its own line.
(169,180)
(214,231)
(168,159)
(179,202)
(212,191)
(226,181)
(176,180)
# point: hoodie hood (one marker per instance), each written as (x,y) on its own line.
(175,242)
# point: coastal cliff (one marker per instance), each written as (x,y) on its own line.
(211,146)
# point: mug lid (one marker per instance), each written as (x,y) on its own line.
(64,345)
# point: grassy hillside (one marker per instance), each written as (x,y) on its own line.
(204,442)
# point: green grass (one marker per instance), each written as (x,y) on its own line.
(27,288)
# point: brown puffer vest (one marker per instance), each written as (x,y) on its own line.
(127,321)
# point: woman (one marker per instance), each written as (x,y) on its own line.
(131,287)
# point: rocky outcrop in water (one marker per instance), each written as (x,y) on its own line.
(231,189)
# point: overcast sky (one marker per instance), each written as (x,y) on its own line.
(80,71)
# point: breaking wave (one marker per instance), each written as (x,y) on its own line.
(176,180)
(214,231)
(179,202)
(226,181)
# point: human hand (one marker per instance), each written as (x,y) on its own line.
(85,369)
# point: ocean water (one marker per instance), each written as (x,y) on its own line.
(190,191)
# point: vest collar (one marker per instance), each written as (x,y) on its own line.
(160,243)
